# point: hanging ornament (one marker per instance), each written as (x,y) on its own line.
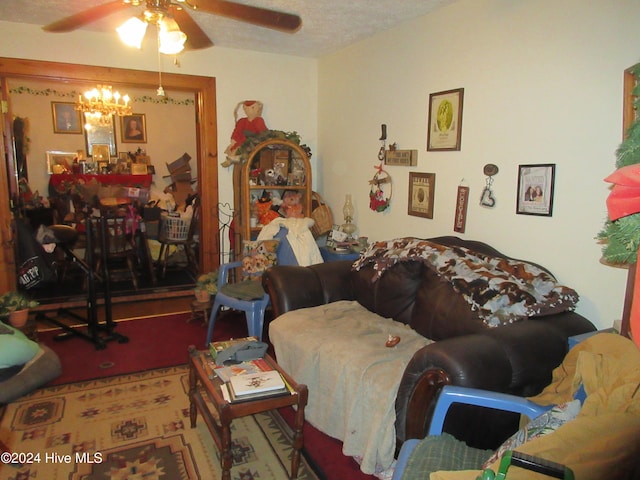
(487,199)
(380,194)
(462,201)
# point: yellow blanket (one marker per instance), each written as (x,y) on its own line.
(604,440)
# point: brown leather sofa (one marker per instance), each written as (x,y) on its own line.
(517,358)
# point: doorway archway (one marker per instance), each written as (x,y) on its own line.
(204,90)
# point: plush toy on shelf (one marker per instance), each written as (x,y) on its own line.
(291,204)
(265,211)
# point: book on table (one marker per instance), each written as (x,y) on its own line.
(250,366)
(251,386)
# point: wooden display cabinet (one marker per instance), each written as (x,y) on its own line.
(274,167)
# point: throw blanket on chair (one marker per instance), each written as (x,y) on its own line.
(500,290)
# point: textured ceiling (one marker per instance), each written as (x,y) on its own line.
(327,25)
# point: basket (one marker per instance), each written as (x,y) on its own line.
(174,229)
(321,214)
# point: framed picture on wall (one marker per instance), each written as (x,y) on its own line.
(421,194)
(444,131)
(65,118)
(100,152)
(535,189)
(133,128)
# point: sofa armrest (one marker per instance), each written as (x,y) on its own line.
(295,287)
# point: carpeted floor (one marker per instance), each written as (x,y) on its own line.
(163,341)
(136,426)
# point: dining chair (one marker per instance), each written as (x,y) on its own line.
(115,252)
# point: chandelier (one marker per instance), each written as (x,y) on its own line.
(101,103)
(170,38)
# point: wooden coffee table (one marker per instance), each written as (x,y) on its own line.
(202,379)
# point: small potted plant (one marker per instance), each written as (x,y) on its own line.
(16,306)
(206,285)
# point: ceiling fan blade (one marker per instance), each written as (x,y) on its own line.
(81,19)
(262,17)
(196,38)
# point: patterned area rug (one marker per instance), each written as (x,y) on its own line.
(135,427)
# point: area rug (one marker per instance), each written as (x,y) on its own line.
(136,426)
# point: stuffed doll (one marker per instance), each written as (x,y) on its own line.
(252,124)
(291,206)
(265,213)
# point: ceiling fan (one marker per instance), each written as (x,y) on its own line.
(196,37)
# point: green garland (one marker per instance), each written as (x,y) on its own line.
(621,238)
(252,141)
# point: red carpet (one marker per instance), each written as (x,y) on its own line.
(153,343)
(163,341)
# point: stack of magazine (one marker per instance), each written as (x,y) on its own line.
(250,380)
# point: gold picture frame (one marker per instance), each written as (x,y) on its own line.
(66,119)
(60,162)
(100,152)
(133,128)
(138,169)
(421,194)
(444,130)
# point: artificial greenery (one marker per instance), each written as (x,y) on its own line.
(208,282)
(253,140)
(621,238)
(13,301)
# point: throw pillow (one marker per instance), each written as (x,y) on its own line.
(544,424)
(258,256)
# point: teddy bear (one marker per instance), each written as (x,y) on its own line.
(291,204)
(252,124)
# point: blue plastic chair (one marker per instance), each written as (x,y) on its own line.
(451,394)
(254,309)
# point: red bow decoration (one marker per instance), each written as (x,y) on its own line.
(624,198)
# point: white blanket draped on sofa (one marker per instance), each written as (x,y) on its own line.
(338,350)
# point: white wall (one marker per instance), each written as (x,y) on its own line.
(543,84)
(286,85)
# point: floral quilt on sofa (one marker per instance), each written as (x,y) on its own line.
(499,289)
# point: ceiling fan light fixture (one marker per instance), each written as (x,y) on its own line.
(171,38)
(132,32)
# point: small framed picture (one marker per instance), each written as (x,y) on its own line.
(66,119)
(133,128)
(138,169)
(100,152)
(421,194)
(535,189)
(444,130)
(60,162)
